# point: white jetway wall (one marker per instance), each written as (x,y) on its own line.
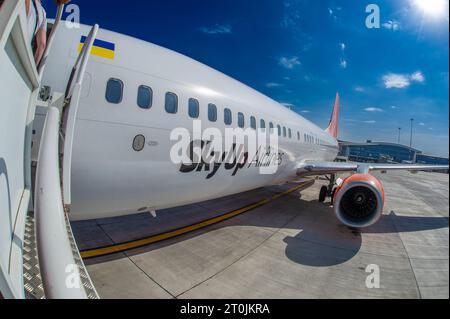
(19,84)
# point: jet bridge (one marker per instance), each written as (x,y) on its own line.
(38,254)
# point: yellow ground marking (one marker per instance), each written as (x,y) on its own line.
(116,248)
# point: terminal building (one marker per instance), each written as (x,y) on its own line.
(431,160)
(380,152)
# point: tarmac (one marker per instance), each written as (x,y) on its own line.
(291,247)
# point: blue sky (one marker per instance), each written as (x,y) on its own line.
(301,52)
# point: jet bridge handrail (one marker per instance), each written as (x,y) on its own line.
(51,37)
(59,271)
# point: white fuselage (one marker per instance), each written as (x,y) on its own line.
(110,178)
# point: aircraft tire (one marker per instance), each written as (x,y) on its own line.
(323,194)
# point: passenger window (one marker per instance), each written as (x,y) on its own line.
(290,133)
(298,136)
(114,91)
(253,122)
(171,104)
(284,131)
(279,130)
(212,112)
(262,124)
(227,116)
(241,120)
(194,108)
(271,127)
(145,97)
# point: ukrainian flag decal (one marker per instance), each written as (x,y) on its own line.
(100,48)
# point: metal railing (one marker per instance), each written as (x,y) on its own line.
(59,270)
(59,266)
(72,100)
(79,68)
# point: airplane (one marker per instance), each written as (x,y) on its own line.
(135,93)
(113,103)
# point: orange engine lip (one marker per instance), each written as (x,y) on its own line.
(362,178)
(354,180)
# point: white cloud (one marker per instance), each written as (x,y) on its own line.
(398,81)
(289,63)
(305,111)
(360,89)
(373,109)
(273,85)
(292,16)
(288,105)
(216,29)
(370,122)
(392,25)
(417,77)
(422,124)
(401,81)
(332,12)
(290,20)
(343,63)
(394,107)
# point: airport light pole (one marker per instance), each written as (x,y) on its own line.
(411,138)
(399,134)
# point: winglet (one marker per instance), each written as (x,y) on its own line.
(333,127)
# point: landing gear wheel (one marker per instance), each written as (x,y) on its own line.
(323,194)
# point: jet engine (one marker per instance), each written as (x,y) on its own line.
(359,201)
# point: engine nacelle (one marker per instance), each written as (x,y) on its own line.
(359,201)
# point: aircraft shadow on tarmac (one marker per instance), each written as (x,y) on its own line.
(322,240)
(330,243)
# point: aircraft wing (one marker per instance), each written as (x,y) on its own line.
(324,168)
